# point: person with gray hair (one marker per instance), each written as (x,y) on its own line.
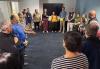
(7,45)
(7,41)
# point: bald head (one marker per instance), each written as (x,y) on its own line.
(92,14)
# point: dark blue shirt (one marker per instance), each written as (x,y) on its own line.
(28,17)
(91,48)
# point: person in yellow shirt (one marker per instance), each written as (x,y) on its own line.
(54,20)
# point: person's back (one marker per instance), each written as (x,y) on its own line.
(78,62)
(72,59)
(91,48)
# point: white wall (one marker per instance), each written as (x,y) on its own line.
(4,10)
(85,6)
(69,4)
(32,4)
(41,5)
(15,7)
(38,4)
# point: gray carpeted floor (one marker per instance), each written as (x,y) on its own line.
(43,49)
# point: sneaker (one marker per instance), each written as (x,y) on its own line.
(59,31)
(63,32)
(25,55)
(26,63)
(43,31)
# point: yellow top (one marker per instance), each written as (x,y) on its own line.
(54,18)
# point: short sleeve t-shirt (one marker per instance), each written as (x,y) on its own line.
(79,62)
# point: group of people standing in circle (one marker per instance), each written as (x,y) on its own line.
(80,52)
(54,23)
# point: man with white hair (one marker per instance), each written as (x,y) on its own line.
(7,45)
(7,41)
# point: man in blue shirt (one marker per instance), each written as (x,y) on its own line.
(62,19)
(18,31)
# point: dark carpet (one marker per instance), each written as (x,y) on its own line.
(43,49)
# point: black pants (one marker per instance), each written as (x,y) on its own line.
(21,58)
(36,25)
(13,62)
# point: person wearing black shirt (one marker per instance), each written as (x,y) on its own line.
(7,45)
(91,46)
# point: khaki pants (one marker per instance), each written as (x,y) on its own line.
(62,26)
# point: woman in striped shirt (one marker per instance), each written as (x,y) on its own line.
(72,59)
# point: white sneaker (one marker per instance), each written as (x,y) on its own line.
(25,55)
(63,32)
(43,31)
(47,31)
(26,63)
(59,31)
